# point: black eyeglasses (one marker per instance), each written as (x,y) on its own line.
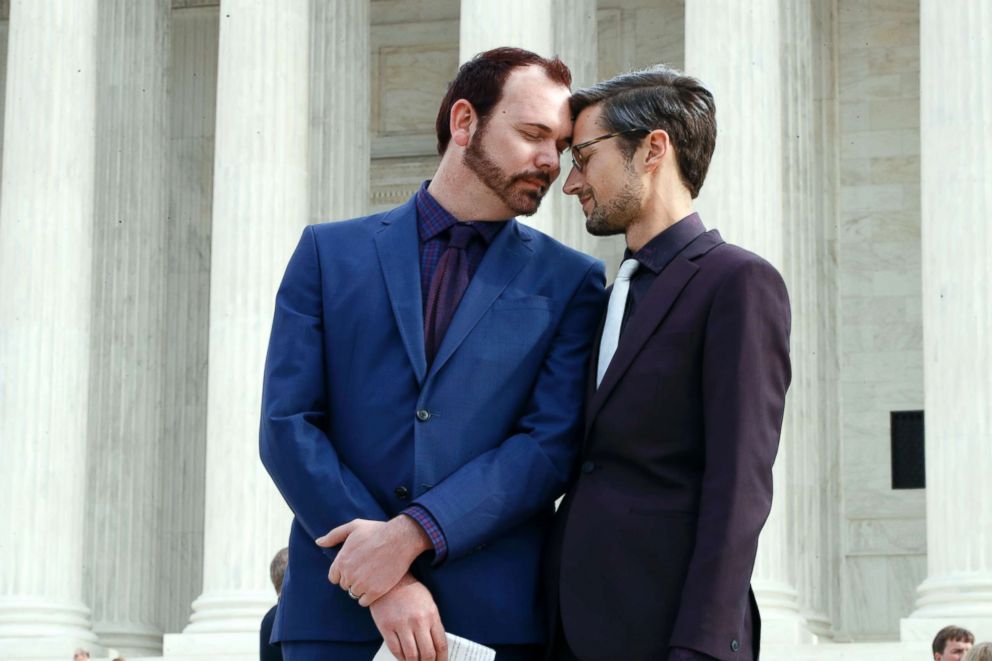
(579,161)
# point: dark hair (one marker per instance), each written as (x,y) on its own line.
(277,569)
(948,634)
(658,98)
(480,82)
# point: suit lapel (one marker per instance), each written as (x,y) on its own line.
(649,313)
(397,244)
(503,260)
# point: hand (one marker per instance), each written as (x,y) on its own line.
(374,555)
(409,622)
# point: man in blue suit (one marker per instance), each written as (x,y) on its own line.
(421,408)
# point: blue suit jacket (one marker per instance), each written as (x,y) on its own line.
(346,375)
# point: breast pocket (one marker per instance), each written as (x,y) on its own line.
(515,330)
(523,303)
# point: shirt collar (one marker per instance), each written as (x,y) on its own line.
(433,219)
(659,251)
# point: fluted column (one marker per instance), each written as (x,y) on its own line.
(735,49)
(521,23)
(261,204)
(576,37)
(808,401)
(821,594)
(3,80)
(192,103)
(46,234)
(339,109)
(122,569)
(956,158)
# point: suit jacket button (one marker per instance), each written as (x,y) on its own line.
(735,646)
(588,467)
(423,415)
(401,492)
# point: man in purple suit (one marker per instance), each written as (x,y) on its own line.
(652,551)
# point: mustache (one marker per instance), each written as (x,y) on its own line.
(536,175)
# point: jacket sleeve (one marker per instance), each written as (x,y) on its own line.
(503,487)
(745,375)
(295,449)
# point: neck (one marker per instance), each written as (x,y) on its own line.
(661,210)
(463,195)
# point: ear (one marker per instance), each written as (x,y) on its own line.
(659,148)
(462,122)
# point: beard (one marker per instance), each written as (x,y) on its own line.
(614,216)
(523,201)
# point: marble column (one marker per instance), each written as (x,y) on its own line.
(192,104)
(520,23)
(4,23)
(261,204)
(799,272)
(339,109)
(46,235)
(956,178)
(735,49)
(804,182)
(123,527)
(822,592)
(576,37)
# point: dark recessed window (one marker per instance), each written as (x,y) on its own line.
(908,459)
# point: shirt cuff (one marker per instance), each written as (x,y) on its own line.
(683,654)
(427,521)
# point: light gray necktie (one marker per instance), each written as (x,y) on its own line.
(614,316)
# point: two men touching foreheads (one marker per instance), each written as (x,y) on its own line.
(439,374)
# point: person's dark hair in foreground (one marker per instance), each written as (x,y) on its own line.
(277,571)
(951,643)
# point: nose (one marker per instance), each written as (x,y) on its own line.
(573,183)
(549,159)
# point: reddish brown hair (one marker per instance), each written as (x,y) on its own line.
(480,82)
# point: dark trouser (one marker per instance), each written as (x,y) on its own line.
(317,650)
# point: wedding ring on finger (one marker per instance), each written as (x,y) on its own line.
(353,595)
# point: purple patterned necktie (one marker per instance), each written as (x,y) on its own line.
(447,287)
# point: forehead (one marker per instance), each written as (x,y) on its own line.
(530,96)
(587,124)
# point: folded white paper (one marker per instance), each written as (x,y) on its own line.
(459,649)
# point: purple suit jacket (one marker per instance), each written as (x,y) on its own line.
(655,543)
